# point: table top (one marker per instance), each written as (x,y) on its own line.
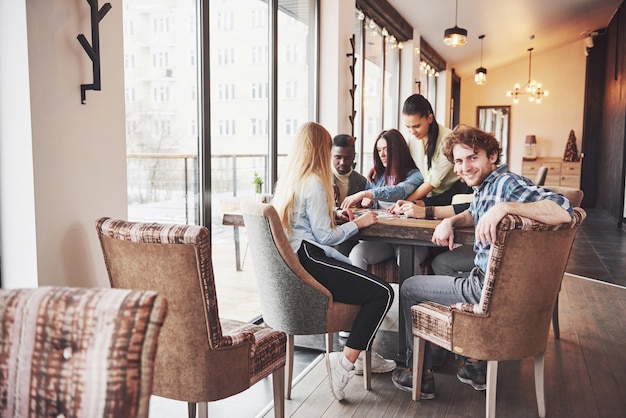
(389,228)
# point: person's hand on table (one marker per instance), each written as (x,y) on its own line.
(444,234)
(345,214)
(367,219)
(354,200)
(410,209)
(366,202)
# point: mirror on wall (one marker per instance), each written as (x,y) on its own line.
(497,120)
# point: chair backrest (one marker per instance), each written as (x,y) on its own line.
(291,299)
(575,196)
(526,265)
(78,352)
(540,178)
(175,260)
(460,198)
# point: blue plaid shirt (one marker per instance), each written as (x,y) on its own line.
(503,186)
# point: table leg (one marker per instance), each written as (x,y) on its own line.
(406,270)
(237,253)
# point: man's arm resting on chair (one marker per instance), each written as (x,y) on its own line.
(545,211)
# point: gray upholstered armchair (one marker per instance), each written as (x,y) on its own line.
(291,299)
(78,352)
(201,357)
(512,320)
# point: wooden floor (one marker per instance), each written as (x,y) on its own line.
(585,372)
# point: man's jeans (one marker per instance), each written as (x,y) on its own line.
(445,290)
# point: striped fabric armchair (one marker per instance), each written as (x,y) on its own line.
(512,319)
(201,357)
(75,352)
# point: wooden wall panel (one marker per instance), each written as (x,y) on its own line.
(604,142)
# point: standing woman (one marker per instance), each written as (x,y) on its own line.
(304,200)
(425,144)
(395,177)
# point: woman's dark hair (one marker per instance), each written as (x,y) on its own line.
(399,160)
(417,104)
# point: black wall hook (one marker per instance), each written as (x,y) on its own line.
(93,50)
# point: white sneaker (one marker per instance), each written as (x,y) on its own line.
(338,375)
(344,334)
(379,364)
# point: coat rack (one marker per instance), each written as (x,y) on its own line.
(353,88)
(93,50)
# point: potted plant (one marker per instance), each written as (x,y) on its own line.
(258,183)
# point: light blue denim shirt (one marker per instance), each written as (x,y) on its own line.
(312,223)
(394,193)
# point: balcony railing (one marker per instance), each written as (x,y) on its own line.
(165,187)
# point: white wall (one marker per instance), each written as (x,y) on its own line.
(336,29)
(562,72)
(78,151)
(17,206)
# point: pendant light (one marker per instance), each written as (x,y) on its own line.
(534,89)
(480,77)
(455,36)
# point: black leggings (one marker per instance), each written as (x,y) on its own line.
(352,285)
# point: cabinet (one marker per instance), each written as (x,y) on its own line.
(560,173)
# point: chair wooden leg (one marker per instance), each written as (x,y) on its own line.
(418,366)
(492,384)
(278,381)
(367,370)
(289,365)
(555,319)
(203,410)
(329,342)
(191,409)
(539,389)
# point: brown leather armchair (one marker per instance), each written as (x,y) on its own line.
(78,352)
(201,357)
(526,265)
(575,196)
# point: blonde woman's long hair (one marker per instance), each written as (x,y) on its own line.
(310,155)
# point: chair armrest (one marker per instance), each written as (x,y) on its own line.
(233,334)
(229,341)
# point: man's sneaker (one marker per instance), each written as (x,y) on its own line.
(344,334)
(338,375)
(427,388)
(403,380)
(474,373)
(379,364)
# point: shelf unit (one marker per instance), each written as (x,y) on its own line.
(560,173)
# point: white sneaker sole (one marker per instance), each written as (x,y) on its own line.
(330,378)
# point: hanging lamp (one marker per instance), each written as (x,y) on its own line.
(455,36)
(534,89)
(480,77)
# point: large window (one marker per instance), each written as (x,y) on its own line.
(259,93)
(161,110)
(244,130)
(377,79)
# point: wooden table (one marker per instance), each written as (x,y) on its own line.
(407,233)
